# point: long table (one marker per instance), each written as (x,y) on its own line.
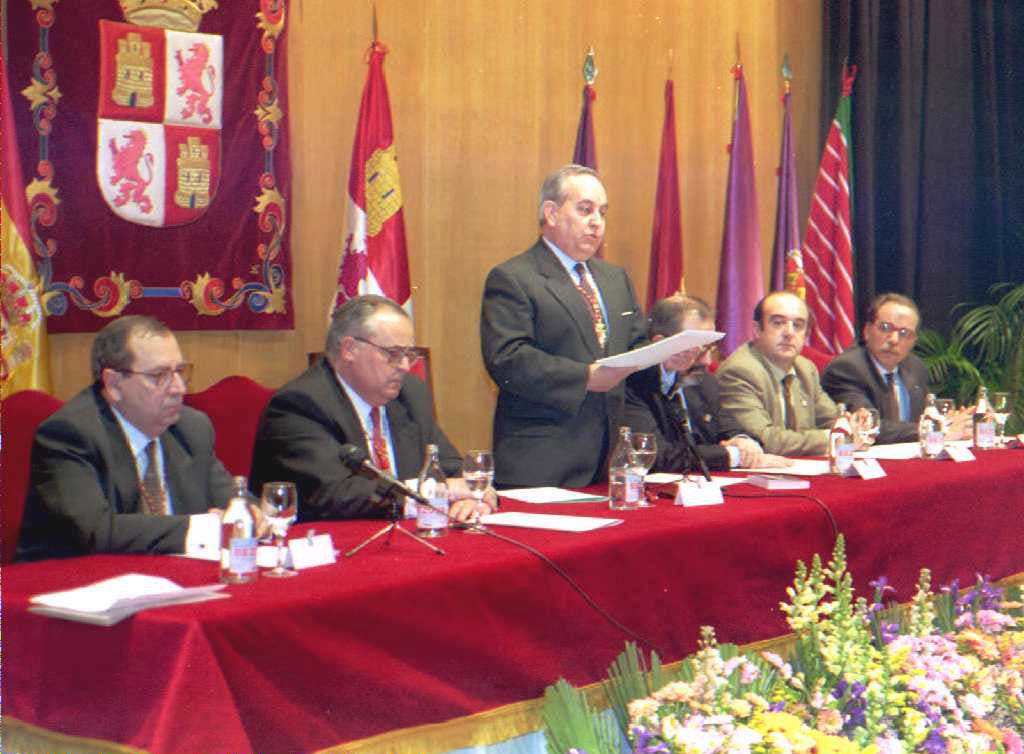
(398,636)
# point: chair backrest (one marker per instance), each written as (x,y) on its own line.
(420,368)
(20,414)
(234,405)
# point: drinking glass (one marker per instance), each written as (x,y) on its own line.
(478,471)
(946,408)
(642,455)
(869,426)
(1001,410)
(280,505)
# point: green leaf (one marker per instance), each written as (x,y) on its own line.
(571,723)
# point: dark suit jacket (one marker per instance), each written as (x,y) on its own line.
(84,490)
(851,378)
(649,410)
(537,338)
(307,421)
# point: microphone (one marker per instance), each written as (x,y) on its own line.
(684,428)
(355,459)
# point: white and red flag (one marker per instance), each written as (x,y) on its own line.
(374,257)
(828,241)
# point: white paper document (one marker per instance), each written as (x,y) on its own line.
(550,495)
(551,521)
(800,467)
(111,600)
(655,353)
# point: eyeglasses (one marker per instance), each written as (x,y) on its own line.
(394,354)
(904,333)
(161,378)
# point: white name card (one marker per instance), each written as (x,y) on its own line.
(308,552)
(959,453)
(702,492)
(868,468)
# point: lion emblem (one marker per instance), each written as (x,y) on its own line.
(126,171)
(191,71)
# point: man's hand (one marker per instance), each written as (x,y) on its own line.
(261,526)
(751,454)
(602,379)
(464,507)
(961,424)
(770,461)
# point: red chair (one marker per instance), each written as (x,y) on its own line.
(20,414)
(234,405)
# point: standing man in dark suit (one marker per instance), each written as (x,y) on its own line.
(679,396)
(124,466)
(885,374)
(361,393)
(547,316)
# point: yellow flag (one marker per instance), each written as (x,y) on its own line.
(25,360)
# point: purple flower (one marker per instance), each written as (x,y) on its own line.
(934,743)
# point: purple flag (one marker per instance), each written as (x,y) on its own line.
(585,151)
(665,274)
(740,279)
(787,259)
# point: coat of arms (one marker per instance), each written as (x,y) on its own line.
(161,83)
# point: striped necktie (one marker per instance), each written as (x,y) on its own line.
(378,443)
(590,296)
(154,497)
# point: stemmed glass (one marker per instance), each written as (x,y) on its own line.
(280,505)
(946,407)
(478,471)
(1001,410)
(868,426)
(642,455)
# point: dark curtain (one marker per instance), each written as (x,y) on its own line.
(938,135)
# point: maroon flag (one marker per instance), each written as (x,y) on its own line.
(787,261)
(828,243)
(374,258)
(585,151)
(665,275)
(740,278)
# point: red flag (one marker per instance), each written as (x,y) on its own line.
(740,278)
(374,258)
(665,275)
(787,260)
(828,243)
(24,356)
(585,151)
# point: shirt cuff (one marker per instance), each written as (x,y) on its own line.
(203,537)
(734,456)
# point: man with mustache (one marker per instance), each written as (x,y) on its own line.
(680,396)
(885,374)
(772,392)
(548,315)
(361,393)
(124,466)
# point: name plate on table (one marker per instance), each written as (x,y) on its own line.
(959,453)
(868,468)
(311,551)
(702,492)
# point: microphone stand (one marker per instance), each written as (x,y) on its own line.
(394,494)
(684,430)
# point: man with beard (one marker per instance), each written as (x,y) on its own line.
(886,375)
(360,393)
(124,466)
(679,396)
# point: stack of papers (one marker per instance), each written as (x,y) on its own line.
(800,467)
(655,353)
(549,521)
(112,600)
(550,495)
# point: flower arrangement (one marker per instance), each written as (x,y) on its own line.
(944,675)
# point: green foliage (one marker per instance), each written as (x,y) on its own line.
(628,680)
(986,347)
(571,724)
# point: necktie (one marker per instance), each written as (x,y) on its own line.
(590,295)
(154,499)
(787,397)
(894,396)
(380,446)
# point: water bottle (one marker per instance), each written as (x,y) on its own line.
(930,429)
(625,477)
(238,537)
(984,421)
(840,442)
(432,520)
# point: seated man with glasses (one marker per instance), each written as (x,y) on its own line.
(359,393)
(885,374)
(124,466)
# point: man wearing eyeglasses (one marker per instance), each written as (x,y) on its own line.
(884,373)
(124,466)
(360,393)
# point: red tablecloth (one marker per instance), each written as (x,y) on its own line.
(397,636)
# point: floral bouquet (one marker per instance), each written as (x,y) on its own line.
(944,675)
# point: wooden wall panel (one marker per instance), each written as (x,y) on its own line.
(485,98)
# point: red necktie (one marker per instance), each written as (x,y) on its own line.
(380,446)
(590,295)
